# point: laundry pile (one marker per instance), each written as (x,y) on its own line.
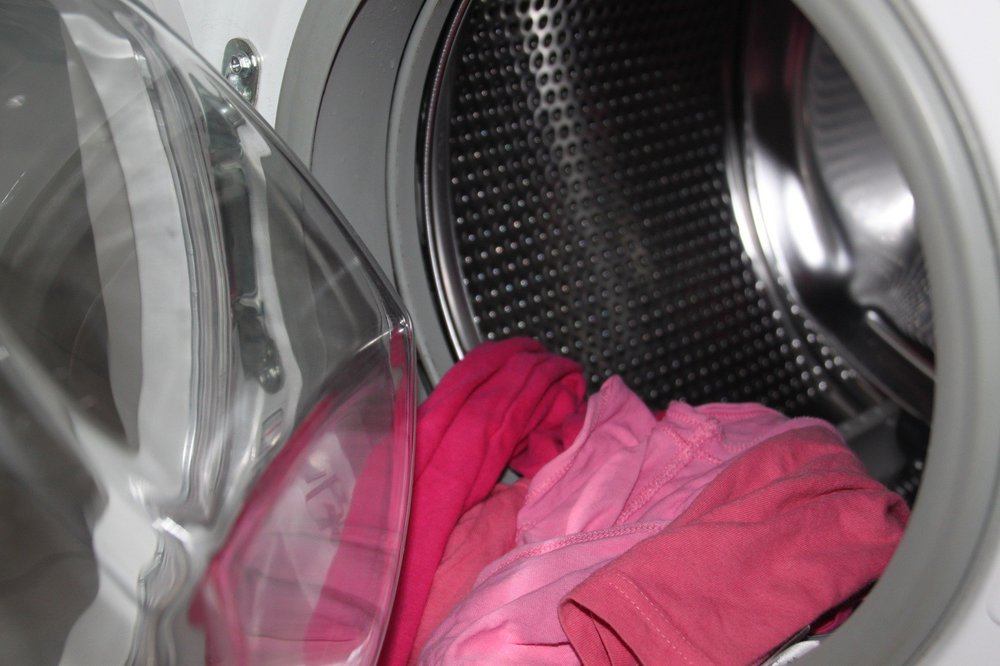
(699,535)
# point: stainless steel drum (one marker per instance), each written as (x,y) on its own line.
(683,193)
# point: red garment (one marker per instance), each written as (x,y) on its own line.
(484,533)
(506,402)
(793,527)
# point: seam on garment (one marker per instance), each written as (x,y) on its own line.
(668,473)
(589,425)
(592,423)
(705,429)
(656,609)
(582,537)
(650,623)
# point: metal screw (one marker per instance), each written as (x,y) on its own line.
(241,64)
(241,67)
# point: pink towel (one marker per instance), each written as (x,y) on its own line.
(505,402)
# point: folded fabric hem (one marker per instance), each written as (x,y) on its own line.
(656,634)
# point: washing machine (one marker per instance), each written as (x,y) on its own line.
(240,241)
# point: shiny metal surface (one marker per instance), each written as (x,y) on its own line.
(241,67)
(872,201)
(584,187)
(831,211)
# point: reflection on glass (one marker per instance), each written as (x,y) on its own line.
(206,391)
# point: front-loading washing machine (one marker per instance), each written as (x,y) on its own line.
(792,203)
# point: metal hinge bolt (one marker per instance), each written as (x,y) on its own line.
(241,64)
(241,67)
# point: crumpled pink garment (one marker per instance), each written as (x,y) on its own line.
(505,402)
(792,528)
(483,533)
(628,465)
(624,481)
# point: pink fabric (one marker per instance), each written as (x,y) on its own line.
(627,466)
(624,479)
(484,533)
(505,402)
(792,528)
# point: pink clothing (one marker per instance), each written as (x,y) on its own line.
(791,529)
(484,533)
(627,466)
(624,479)
(623,482)
(507,402)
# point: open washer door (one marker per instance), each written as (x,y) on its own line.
(791,202)
(206,385)
(795,203)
